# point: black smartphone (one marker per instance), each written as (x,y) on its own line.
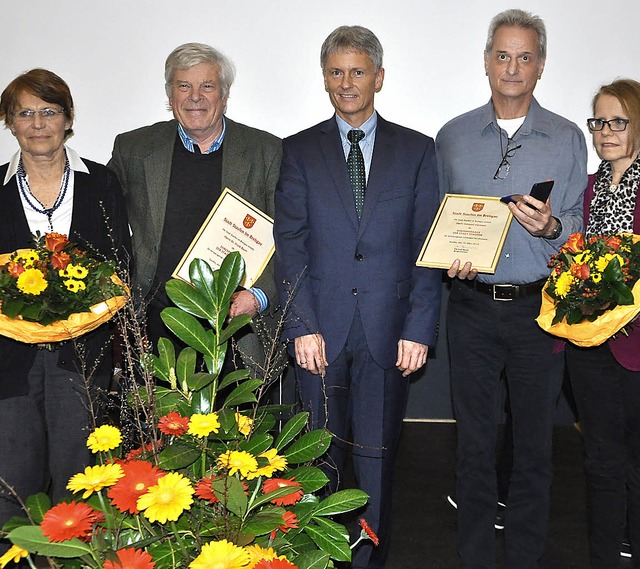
(541,190)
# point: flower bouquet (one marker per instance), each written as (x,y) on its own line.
(593,290)
(56,291)
(215,482)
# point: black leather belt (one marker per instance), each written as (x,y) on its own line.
(505,292)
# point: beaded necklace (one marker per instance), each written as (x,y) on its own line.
(28,196)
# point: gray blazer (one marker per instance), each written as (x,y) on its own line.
(142,160)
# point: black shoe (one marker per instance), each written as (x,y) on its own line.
(500,513)
(625,549)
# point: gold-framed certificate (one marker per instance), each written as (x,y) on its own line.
(469,228)
(233,224)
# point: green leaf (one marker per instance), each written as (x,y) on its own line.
(37,506)
(188,329)
(203,279)
(291,430)
(340,502)
(622,293)
(167,353)
(177,455)
(11,307)
(308,447)
(236,323)
(311,478)
(201,402)
(233,377)
(330,537)
(265,521)
(312,560)
(258,443)
(197,381)
(229,276)
(185,296)
(32,539)
(230,491)
(159,369)
(186,364)
(244,393)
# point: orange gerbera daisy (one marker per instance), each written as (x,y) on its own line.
(290,522)
(139,475)
(204,491)
(274,564)
(366,528)
(138,452)
(173,424)
(274,483)
(130,558)
(75,519)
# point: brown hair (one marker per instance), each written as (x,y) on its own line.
(43,84)
(627,91)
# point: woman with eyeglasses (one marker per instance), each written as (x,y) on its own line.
(606,378)
(45,412)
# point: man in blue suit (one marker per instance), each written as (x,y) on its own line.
(360,314)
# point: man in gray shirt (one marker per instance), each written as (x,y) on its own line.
(500,149)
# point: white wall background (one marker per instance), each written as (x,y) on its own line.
(112,55)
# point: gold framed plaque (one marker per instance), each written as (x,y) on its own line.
(469,228)
(233,224)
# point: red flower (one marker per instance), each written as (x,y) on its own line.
(75,519)
(138,476)
(574,244)
(204,491)
(370,533)
(15,269)
(274,483)
(580,271)
(290,522)
(60,260)
(130,558)
(274,564)
(138,452)
(614,242)
(55,242)
(173,424)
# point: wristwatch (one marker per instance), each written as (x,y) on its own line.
(557,231)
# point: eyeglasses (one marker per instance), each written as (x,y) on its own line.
(616,125)
(503,168)
(25,115)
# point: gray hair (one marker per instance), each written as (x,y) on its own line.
(189,55)
(515,18)
(355,38)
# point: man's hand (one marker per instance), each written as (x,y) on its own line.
(466,272)
(243,302)
(310,353)
(411,356)
(537,219)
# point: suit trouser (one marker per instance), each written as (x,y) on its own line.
(608,401)
(487,337)
(44,434)
(364,406)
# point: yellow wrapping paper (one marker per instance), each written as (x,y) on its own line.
(587,334)
(76,325)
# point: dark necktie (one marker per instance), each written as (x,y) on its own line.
(355,166)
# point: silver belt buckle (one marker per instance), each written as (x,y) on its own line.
(497,287)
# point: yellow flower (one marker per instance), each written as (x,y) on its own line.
(29,257)
(583,258)
(203,425)
(256,553)
(14,553)
(32,281)
(77,271)
(95,478)
(74,286)
(238,461)
(167,499)
(244,424)
(221,555)
(276,462)
(106,437)
(596,277)
(563,284)
(602,262)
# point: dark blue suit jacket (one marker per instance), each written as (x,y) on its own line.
(328,262)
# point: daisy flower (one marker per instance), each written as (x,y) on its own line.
(104,438)
(276,462)
(202,425)
(288,500)
(14,553)
(139,476)
(95,478)
(238,461)
(221,555)
(75,519)
(167,499)
(245,424)
(173,424)
(130,558)
(290,522)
